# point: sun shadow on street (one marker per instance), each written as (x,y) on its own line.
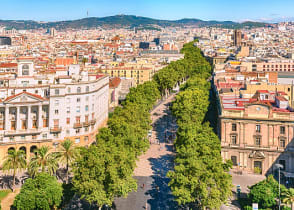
(160,193)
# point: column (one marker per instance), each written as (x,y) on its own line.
(29,118)
(7,120)
(40,120)
(18,126)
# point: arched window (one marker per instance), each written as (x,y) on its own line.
(33,149)
(25,69)
(24,149)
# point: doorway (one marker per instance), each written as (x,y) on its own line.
(257,167)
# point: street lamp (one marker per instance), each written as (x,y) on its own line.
(279,166)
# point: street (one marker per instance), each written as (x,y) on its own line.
(153,190)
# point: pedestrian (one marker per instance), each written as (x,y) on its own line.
(143,186)
(157,188)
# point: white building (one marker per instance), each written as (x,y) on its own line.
(38,109)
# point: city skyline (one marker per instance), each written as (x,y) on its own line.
(261,10)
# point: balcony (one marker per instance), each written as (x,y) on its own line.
(55,129)
(93,122)
(77,125)
(32,131)
(86,124)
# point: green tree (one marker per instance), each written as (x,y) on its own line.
(42,192)
(45,160)
(265,193)
(15,160)
(67,154)
(103,172)
(288,197)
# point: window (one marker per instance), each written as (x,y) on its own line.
(68,89)
(67,110)
(257,141)
(36,91)
(78,100)
(87,89)
(67,132)
(282,143)
(78,109)
(234,139)
(86,118)
(56,102)
(257,128)
(283,163)
(77,131)
(34,137)
(11,138)
(78,90)
(25,69)
(86,138)
(234,127)
(68,120)
(23,138)
(86,108)
(234,160)
(77,140)
(56,123)
(282,129)
(78,119)
(56,91)
(86,129)
(55,135)
(87,98)
(68,100)
(44,136)
(56,111)
(93,107)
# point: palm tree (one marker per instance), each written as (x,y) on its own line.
(67,154)
(16,160)
(44,160)
(289,197)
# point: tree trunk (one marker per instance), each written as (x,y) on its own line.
(13,183)
(292,206)
(67,171)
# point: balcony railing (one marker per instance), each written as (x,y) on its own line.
(86,124)
(77,125)
(55,129)
(93,122)
(22,132)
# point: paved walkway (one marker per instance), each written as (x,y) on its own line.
(244,181)
(153,191)
(8,200)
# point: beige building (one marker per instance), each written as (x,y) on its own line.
(257,132)
(140,75)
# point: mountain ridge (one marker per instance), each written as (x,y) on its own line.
(124,21)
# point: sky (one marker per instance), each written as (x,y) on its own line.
(235,10)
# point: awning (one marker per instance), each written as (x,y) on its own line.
(288,174)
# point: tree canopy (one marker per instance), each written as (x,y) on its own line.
(104,170)
(42,192)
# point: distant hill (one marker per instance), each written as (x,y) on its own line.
(124,21)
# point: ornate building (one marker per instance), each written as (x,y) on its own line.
(44,109)
(257,132)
